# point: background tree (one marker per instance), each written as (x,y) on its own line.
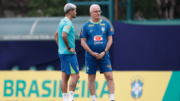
(14,8)
(52,8)
(143,9)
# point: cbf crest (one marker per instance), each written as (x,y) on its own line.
(137,87)
(103,29)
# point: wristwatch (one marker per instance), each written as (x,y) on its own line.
(69,48)
(105,52)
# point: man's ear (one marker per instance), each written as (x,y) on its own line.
(71,11)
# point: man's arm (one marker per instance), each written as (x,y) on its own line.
(109,43)
(65,39)
(86,47)
(56,37)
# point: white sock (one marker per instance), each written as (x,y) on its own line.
(111,96)
(93,97)
(64,96)
(71,95)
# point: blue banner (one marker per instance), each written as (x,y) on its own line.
(146,47)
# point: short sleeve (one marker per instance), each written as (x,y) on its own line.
(109,30)
(83,33)
(67,27)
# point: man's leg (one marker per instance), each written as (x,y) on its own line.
(72,85)
(110,83)
(74,72)
(73,82)
(91,86)
(106,68)
(91,67)
(64,84)
(91,83)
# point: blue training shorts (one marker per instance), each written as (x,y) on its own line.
(92,65)
(69,63)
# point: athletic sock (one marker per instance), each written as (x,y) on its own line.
(64,96)
(111,97)
(71,95)
(93,97)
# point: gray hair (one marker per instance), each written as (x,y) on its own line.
(69,6)
(92,7)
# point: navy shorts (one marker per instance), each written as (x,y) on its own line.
(69,63)
(92,65)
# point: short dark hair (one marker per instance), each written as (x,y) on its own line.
(69,11)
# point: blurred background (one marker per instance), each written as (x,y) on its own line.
(152,9)
(145,54)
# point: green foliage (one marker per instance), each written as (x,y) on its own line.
(47,7)
(148,8)
(82,10)
(53,8)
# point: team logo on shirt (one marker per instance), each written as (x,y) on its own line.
(82,31)
(111,29)
(91,25)
(102,29)
(66,27)
(98,39)
(102,24)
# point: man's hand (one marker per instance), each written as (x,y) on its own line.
(72,50)
(96,55)
(101,55)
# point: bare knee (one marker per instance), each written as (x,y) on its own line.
(65,77)
(91,77)
(78,77)
(75,76)
(109,76)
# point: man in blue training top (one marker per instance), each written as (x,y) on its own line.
(96,39)
(65,38)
